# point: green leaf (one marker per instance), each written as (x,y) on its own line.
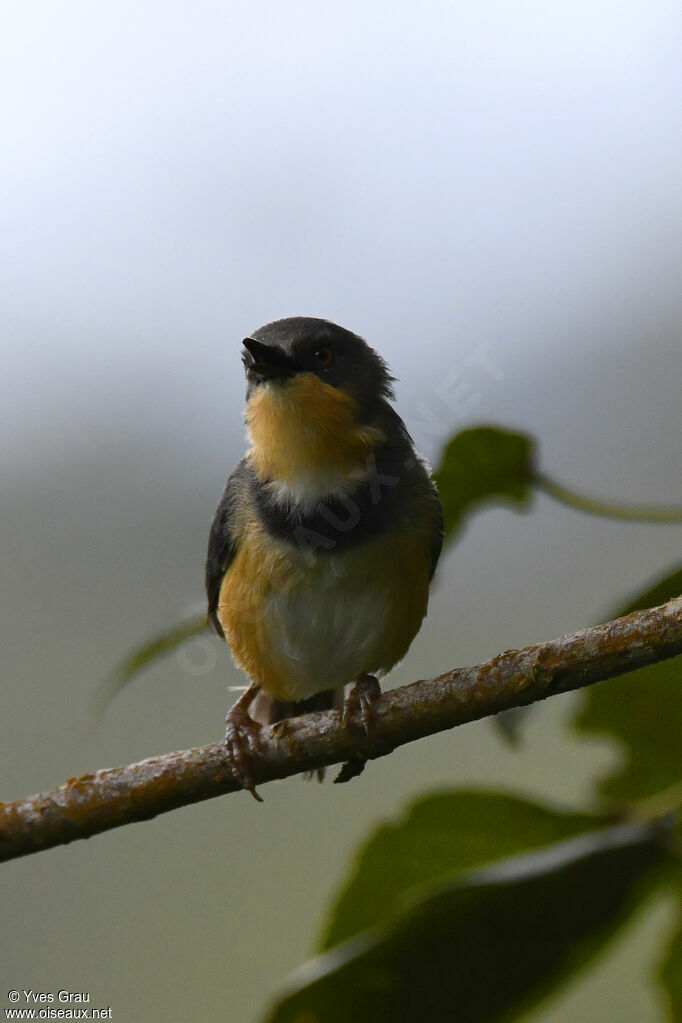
(146,655)
(643,712)
(485,947)
(440,835)
(483,465)
(663,589)
(670,974)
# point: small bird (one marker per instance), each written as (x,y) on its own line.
(326,536)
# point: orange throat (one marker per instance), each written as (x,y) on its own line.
(305,432)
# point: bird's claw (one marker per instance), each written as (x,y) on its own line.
(359,714)
(241,738)
(358,709)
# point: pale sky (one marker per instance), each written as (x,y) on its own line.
(433,176)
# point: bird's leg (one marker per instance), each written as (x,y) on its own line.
(358,707)
(358,712)
(241,737)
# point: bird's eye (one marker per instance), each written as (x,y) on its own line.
(324,356)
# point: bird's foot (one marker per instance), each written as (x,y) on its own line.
(359,714)
(358,709)
(241,738)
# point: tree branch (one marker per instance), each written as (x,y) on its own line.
(121,795)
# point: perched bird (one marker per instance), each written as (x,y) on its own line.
(326,536)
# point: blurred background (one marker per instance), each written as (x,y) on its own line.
(490,194)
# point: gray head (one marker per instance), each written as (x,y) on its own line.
(305,344)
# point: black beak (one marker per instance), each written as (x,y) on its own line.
(265,362)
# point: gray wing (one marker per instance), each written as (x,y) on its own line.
(222,545)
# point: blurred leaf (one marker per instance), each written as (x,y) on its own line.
(663,589)
(440,835)
(670,975)
(483,464)
(642,711)
(486,947)
(146,655)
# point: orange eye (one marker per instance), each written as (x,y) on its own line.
(324,356)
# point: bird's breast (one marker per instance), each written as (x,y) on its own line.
(300,622)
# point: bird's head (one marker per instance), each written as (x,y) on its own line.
(314,393)
(285,350)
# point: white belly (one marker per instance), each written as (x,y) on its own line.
(329,628)
(301,623)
